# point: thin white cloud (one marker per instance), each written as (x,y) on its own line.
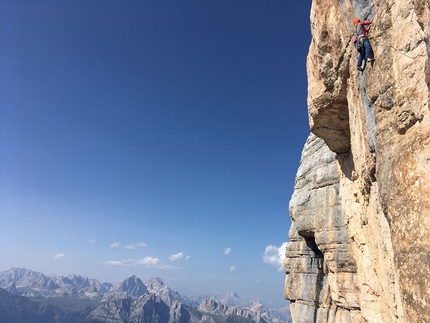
(147,262)
(275,256)
(168,267)
(227,251)
(187,257)
(115,245)
(92,241)
(59,256)
(176,256)
(135,246)
(114,263)
(232,268)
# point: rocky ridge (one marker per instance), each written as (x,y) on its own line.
(31,297)
(359,246)
(23,282)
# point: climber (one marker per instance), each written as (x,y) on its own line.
(362,43)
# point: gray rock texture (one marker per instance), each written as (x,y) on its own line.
(131,287)
(319,262)
(156,286)
(360,245)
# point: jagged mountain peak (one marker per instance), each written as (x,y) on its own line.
(132,285)
(154,283)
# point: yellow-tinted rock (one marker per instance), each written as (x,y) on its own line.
(360,243)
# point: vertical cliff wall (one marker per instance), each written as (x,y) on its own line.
(360,243)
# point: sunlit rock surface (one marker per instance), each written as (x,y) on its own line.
(360,246)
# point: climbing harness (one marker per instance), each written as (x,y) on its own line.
(359,43)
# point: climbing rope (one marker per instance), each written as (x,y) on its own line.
(395,49)
(374,39)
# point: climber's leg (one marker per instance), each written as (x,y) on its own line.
(368,49)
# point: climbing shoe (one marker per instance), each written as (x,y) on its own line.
(360,68)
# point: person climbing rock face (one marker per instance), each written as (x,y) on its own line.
(363,45)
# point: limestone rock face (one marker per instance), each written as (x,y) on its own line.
(359,246)
(320,266)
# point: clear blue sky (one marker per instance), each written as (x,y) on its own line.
(156,138)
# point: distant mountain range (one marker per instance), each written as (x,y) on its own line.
(31,297)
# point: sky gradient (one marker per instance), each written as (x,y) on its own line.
(156,138)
